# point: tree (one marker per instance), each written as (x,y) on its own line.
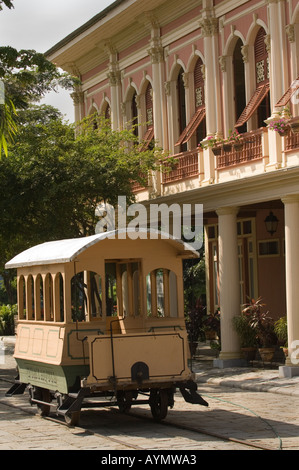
(52,180)
(26,77)
(7,3)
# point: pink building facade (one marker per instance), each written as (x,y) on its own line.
(191,73)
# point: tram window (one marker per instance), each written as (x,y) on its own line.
(110,285)
(30,298)
(78,297)
(48,298)
(95,295)
(39,296)
(123,289)
(59,298)
(162,293)
(86,296)
(21,298)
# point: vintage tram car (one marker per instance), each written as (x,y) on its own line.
(101,323)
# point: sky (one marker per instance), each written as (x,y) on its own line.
(40,24)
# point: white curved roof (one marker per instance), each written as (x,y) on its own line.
(64,251)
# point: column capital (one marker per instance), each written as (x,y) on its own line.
(227,210)
(290,198)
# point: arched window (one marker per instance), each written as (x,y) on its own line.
(197,123)
(86,296)
(239,82)
(59,298)
(48,298)
(123,291)
(259,102)
(21,298)
(262,75)
(199,90)
(39,295)
(149,134)
(107,113)
(30,298)
(181,106)
(134,114)
(162,293)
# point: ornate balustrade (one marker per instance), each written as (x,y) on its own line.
(292,135)
(183,165)
(248,149)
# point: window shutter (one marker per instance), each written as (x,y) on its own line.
(253,104)
(148,137)
(261,57)
(262,78)
(199,84)
(189,130)
(107,113)
(289,93)
(149,105)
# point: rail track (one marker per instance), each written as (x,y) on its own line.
(93,428)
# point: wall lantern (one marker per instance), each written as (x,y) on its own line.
(271,222)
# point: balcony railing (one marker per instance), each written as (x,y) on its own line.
(250,148)
(292,135)
(184,165)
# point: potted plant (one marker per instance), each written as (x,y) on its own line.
(212,141)
(247,334)
(263,326)
(281,331)
(211,326)
(279,125)
(194,326)
(236,139)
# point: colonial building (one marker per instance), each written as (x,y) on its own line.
(196,75)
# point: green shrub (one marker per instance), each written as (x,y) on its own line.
(7,313)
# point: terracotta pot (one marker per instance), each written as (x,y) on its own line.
(249,353)
(266,354)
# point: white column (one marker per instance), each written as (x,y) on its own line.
(209,27)
(278,66)
(291,204)
(114,79)
(229,289)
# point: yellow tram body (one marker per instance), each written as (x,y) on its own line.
(103,316)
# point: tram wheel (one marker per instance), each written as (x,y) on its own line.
(159,404)
(72,419)
(124,401)
(42,394)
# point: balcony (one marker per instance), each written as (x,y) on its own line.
(250,148)
(185,166)
(292,136)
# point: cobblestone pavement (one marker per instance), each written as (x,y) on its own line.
(238,410)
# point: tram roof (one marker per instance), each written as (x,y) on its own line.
(64,251)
